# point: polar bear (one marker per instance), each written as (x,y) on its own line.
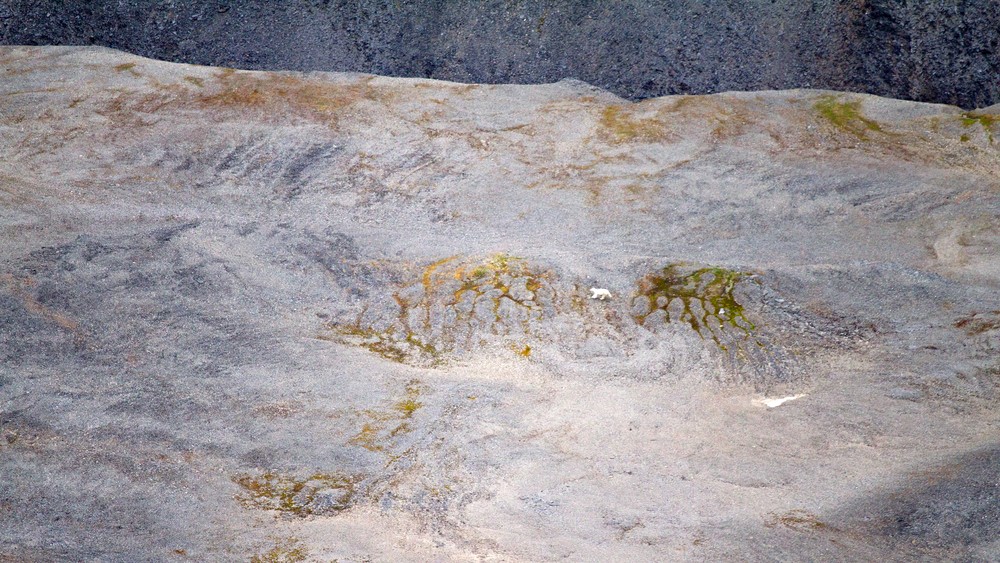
(599,293)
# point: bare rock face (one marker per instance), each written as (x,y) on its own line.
(339,316)
(939,51)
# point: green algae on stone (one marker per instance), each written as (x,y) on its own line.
(846,115)
(316,495)
(704,296)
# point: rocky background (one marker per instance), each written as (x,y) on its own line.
(312,317)
(942,51)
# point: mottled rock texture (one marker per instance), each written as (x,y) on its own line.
(944,51)
(345,317)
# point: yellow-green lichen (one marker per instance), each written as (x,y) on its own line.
(453,304)
(493,274)
(407,407)
(620,125)
(384,343)
(702,298)
(288,550)
(428,349)
(317,494)
(368,438)
(383,426)
(846,116)
(986,120)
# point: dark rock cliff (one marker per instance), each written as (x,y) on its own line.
(936,50)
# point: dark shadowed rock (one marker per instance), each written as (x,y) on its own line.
(934,51)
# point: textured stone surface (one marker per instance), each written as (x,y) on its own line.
(338,316)
(943,51)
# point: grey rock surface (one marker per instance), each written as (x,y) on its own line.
(341,316)
(943,51)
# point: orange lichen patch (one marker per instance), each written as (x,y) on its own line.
(323,101)
(725,118)
(19,287)
(496,273)
(386,343)
(264,95)
(798,520)
(131,111)
(842,124)
(428,276)
(127,67)
(608,173)
(625,124)
(452,88)
(979,323)
(16,191)
(368,438)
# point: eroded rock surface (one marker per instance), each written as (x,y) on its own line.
(338,316)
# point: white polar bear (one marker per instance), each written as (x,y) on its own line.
(599,293)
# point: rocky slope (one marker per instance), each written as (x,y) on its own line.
(339,316)
(933,50)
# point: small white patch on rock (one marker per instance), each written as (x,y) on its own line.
(771,403)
